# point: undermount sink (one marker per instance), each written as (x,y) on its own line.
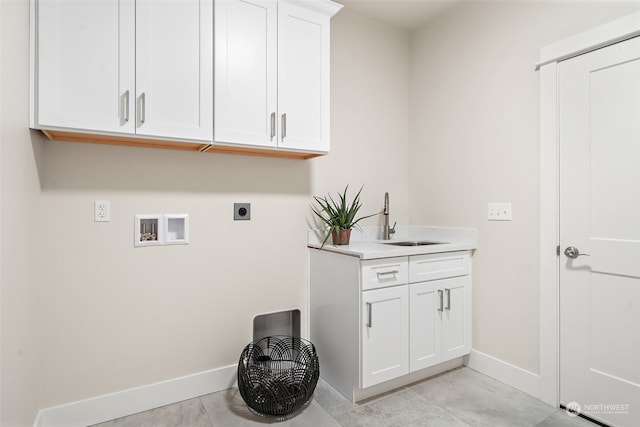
(414,243)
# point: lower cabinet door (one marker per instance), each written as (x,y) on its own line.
(456,317)
(384,334)
(425,324)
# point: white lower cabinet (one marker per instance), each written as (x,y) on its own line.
(408,327)
(426,325)
(456,317)
(385,334)
(377,321)
(412,327)
(440,321)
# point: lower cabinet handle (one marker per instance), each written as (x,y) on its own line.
(448,291)
(384,273)
(369,323)
(441,296)
(284,126)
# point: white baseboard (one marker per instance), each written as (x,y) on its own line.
(505,372)
(127,402)
(110,406)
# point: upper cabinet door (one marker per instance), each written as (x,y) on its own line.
(85,53)
(174,69)
(246,72)
(303,78)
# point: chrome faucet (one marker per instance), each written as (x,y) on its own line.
(387,231)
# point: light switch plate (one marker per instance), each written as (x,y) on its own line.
(500,212)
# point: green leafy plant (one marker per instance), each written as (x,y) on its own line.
(338,214)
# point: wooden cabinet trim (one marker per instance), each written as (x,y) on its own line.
(57,135)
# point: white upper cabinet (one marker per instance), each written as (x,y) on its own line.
(246,70)
(272,73)
(124,67)
(85,64)
(174,68)
(303,78)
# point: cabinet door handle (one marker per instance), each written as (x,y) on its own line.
(125,107)
(283,126)
(143,108)
(384,273)
(448,291)
(441,297)
(273,125)
(369,323)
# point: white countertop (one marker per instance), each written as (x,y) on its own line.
(367,243)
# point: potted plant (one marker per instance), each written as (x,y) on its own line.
(339,216)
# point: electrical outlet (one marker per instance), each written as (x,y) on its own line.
(241,211)
(500,212)
(102,211)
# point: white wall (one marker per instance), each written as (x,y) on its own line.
(20,254)
(369,114)
(119,317)
(474,140)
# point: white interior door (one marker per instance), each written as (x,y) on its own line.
(599,116)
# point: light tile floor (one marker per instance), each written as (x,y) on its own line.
(458,398)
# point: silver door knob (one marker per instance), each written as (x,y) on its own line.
(573,252)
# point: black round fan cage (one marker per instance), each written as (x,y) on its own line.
(277,375)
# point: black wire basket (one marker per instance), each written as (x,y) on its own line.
(278,374)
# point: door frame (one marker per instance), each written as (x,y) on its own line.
(621,29)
